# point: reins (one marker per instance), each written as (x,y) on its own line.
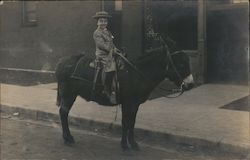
(170,58)
(180,90)
(174,67)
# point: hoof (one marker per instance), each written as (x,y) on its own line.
(125,147)
(135,147)
(69,140)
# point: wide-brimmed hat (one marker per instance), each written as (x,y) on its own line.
(101,14)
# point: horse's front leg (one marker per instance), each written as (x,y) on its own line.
(128,122)
(64,112)
(131,138)
(125,127)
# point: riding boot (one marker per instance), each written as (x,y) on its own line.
(108,87)
(113,97)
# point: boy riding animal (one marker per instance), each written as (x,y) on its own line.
(134,88)
(105,52)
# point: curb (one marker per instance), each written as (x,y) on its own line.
(142,135)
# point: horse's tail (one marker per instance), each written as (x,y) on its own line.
(58,98)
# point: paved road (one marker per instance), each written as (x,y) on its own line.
(34,140)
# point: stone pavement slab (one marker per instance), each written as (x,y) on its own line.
(193,118)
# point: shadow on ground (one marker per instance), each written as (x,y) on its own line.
(240,104)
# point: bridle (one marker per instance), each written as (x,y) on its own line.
(170,62)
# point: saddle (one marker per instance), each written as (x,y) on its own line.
(109,80)
(87,69)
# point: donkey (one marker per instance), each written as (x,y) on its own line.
(135,86)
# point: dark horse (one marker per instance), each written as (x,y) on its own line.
(135,86)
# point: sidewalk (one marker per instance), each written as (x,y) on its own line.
(195,118)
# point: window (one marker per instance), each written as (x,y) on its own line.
(118,5)
(240,1)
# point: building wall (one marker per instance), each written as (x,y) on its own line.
(227,36)
(132,28)
(64,28)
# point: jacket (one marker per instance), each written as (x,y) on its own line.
(104,48)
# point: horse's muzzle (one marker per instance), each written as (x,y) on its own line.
(187,86)
(188,83)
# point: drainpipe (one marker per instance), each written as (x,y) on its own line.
(202,44)
(102,5)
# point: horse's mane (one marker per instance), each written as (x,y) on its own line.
(148,56)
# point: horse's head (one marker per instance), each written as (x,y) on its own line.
(178,70)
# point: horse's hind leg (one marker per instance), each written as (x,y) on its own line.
(65,106)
